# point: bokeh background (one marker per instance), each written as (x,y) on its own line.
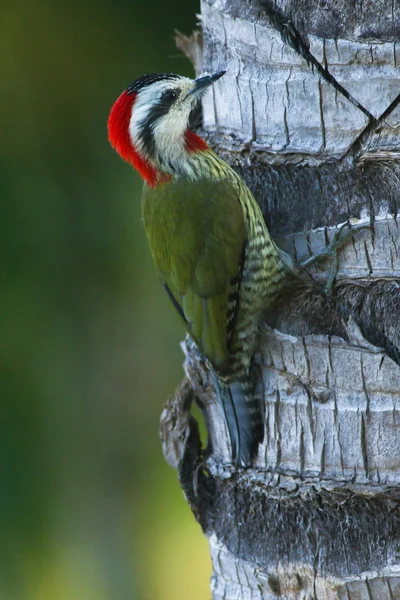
(89,346)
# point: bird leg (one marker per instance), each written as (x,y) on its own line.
(331,251)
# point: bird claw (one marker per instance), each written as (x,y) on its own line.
(332,250)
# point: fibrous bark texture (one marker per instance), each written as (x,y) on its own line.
(309,114)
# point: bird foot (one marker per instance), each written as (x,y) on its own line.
(340,239)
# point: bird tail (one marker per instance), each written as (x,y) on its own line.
(244,416)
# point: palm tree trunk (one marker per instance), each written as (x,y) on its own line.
(309,114)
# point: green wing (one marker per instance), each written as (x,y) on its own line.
(196,232)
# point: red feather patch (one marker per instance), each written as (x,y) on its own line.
(118,135)
(194,143)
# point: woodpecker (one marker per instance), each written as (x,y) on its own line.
(207,236)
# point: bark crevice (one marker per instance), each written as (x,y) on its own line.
(290,35)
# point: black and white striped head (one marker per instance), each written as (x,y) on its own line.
(151,119)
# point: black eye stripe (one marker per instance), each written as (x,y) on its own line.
(148,123)
(159,109)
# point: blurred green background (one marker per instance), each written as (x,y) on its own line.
(89,349)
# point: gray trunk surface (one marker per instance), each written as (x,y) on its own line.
(309,114)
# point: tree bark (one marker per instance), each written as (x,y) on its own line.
(309,114)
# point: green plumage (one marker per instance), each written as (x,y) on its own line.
(215,257)
(196,233)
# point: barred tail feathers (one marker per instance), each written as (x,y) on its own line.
(244,418)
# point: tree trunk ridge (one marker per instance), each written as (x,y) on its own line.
(308,113)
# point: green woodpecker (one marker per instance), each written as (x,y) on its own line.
(207,236)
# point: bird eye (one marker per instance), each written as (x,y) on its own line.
(169,96)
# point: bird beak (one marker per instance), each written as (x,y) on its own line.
(202,83)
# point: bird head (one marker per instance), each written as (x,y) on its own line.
(148,124)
